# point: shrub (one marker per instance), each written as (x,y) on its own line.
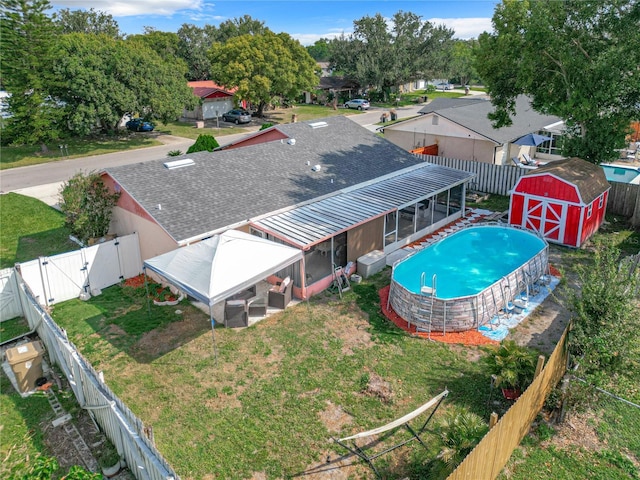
(204,143)
(266,125)
(174,153)
(513,366)
(87,205)
(605,314)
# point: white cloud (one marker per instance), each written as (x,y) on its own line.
(307,39)
(465,28)
(120,8)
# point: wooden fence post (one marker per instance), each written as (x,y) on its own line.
(493,420)
(539,366)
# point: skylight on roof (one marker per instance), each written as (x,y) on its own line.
(185,162)
(318,124)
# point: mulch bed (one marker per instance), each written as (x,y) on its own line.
(135,282)
(470,337)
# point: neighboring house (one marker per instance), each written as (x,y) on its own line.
(338,86)
(413,86)
(460,129)
(564,201)
(215,100)
(330,188)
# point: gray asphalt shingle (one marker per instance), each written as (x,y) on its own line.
(227,187)
(473,114)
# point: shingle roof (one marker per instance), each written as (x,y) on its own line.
(589,178)
(227,187)
(472,114)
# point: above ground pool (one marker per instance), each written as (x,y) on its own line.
(478,271)
(621,174)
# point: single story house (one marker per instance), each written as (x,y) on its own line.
(330,188)
(460,128)
(564,201)
(215,100)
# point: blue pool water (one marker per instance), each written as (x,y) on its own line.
(469,261)
(616,173)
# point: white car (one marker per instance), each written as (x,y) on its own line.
(444,86)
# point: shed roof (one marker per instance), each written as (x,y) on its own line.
(472,113)
(589,179)
(229,187)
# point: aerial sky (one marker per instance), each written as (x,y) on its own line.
(305,20)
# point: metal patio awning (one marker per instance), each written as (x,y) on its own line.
(314,222)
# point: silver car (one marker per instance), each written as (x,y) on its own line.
(359,103)
(237,116)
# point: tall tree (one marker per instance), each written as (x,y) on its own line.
(319,51)
(237,27)
(577,59)
(262,67)
(194,44)
(26,38)
(165,44)
(386,55)
(103,78)
(462,61)
(87,21)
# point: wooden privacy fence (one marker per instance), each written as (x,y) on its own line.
(624,200)
(118,423)
(497,179)
(490,456)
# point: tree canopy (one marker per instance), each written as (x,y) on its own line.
(385,56)
(263,67)
(102,78)
(577,59)
(87,21)
(27,35)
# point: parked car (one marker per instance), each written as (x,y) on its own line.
(237,116)
(359,103)
(444,86)
(139,125)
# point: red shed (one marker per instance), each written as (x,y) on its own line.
(564,201)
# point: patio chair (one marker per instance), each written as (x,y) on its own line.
(236,313)
(280,294)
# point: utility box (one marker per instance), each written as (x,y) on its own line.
(26,363)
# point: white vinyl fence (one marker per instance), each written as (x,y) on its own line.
(9,299)
(62,277)
(120,425)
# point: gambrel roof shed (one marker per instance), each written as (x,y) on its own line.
(564,201)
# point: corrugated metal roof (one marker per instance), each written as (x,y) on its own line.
(311,223)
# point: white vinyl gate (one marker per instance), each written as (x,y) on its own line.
(62,277)
(10,306)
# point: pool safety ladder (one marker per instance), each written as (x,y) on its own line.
(427,294)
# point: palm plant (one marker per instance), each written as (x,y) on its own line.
(513,366)
(460,431)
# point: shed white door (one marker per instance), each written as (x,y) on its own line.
(545,217)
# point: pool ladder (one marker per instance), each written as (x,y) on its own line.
(427,292)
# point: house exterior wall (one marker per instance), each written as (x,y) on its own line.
(454,141)
(128,217)
(365,238)
(153,239)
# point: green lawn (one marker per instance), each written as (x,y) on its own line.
(22,156)
(30,229)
